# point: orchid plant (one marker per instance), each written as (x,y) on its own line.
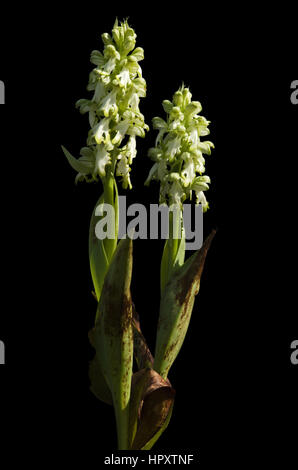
(143,399)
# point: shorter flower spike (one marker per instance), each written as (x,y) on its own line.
(178,151)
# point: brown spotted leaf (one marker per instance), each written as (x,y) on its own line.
(176,307)
(142,352)
(151,405)
(98,384)
(113,336)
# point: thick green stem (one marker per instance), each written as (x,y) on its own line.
(174,248)
(122,422)
(109,188)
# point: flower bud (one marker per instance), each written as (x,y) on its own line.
(106,39)
(178,98)
(186,97)
(167,106)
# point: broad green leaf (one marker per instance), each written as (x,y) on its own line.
(179,260)
(113,336)
(176,306)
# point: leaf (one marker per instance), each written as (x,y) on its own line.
(83,167)
(113,336)
(176,306)
(142,354)
(99,249)
(98,385)
(152,441)
(152,403)
(139,382)
(179,260)
(97,255)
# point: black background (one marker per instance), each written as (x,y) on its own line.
(234,380)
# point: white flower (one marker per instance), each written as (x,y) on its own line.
(188,172)
(122,79)
(133,101)
(131,149)
(200,183)
(200,165)
(202,126)
(205,147)
(99,92)
(201,199)
(172,147)
(176,192)
(158,171)
(109,66)
(109,105)
(123,170)
(101,130)
(194,138)
(121,129)
(101,160)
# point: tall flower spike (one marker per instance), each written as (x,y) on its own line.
(178,152)
(114,115)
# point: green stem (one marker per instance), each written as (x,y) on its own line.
(122,422)
(174,233)
(110,196)
(171,249)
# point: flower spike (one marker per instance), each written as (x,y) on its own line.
(178,152)
(114,115)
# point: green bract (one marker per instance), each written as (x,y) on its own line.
(113,111)
(178,152)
